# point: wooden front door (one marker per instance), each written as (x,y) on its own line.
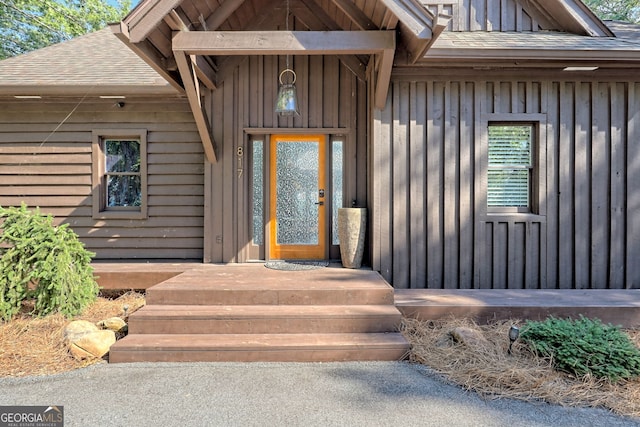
(297,197)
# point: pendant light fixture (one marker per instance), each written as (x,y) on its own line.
(287,100)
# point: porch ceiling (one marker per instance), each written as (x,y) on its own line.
(148,29)
(194,42)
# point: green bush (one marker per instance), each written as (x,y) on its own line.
(42,262)
(584,347)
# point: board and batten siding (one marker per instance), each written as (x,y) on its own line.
(332,101)
(429,223)
(484,15)
(45,161)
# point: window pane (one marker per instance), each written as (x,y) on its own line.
(258,193)
(124,190)
(510,165)
(510,145)
(508,188)
(122,155)
(336,161)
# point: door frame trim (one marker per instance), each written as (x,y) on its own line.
(321,250)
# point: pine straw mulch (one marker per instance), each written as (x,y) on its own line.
(493,373)
(34,346)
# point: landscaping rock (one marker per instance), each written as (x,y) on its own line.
(115,324)
(85,340)
(78,328)
(468,336)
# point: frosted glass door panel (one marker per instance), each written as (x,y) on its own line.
(297,197)
(297,193)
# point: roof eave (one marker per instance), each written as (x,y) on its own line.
(474,54)
(146,54)
(87,90)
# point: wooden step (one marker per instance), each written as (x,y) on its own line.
(273,294)
(262,286)
(259,347)
(251,313)
(262,319)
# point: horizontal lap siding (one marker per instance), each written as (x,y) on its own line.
(52,169)
(429,199)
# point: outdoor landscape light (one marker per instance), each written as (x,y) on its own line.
(514,333)
(287,100)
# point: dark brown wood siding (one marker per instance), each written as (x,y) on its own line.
(45,160)
(430,226)
(332,101)
(484,15)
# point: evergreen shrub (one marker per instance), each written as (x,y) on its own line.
(584,347)
(44,263)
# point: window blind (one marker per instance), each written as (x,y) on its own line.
(509,166)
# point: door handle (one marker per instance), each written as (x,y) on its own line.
(320,203)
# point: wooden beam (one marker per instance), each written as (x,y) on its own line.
(222,13)
(384,77)
(155,13)
(205,72)
(418,26)
(413,15)
(314,20)
(389,21)
(419,49)
(355,14)
(148,54)
(321,16)
(192,89)
(283,42)
(175,21)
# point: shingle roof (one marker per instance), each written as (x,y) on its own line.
(94,63)
(534,45)
(625,30)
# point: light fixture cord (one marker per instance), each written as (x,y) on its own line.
(287,29)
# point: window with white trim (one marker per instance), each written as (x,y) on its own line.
(511,167)
(119,174)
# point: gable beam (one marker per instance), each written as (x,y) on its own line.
(222,13)
(319,12)
(413,15)
(356,15)
(356,63)
(157,10)
(192,88)
(583,19)
(417,25)
(419,49)
(205,72)
(148,54)
(284,42)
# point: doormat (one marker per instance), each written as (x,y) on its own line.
(295,265)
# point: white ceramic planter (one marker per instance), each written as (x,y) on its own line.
(352,227)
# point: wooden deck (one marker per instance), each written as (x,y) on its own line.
(619,307)
(137,275)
